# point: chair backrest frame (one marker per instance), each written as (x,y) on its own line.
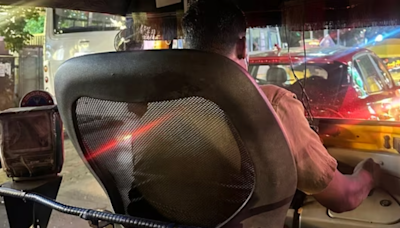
(173,74)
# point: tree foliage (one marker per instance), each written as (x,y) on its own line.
(13,26)
(34,26)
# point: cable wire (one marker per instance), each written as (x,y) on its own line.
(88,214)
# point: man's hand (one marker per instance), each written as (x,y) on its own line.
(371,168)
(346,192)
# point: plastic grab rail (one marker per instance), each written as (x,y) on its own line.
(88,214)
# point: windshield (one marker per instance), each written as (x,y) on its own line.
(69,21)
(356,68)
(343,72)
(286,75)
(324,82)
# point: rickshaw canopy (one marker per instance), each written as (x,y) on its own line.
(297,14)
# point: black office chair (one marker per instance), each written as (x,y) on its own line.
(178,135)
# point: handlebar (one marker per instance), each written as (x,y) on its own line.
(88,214)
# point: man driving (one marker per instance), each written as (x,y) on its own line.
(220,27)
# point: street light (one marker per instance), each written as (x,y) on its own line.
(379,38)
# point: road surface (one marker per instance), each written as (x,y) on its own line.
(79,188)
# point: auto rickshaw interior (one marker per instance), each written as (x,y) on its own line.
(332,54)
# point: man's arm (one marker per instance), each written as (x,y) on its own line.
(316,168)
(346,192)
